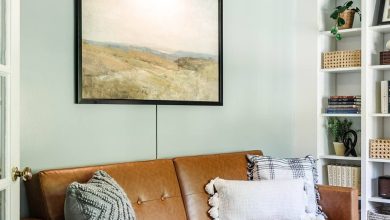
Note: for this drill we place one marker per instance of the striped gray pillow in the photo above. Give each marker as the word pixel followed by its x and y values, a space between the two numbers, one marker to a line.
pixel 268 168
pixel 101 198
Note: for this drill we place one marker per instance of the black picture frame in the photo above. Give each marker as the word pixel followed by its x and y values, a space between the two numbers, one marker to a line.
pixel 79 75
pixel 381 13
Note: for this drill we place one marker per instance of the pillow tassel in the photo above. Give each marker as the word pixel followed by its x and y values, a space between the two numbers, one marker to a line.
pixel 210 186
pixel 214 213
pixel 214 201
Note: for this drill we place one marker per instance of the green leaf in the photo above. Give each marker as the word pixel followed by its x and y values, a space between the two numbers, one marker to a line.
pixel 338 36
pixel 348 4
pixel 340 22
pixel 357 9
pixel 342 9
pixel 334 15
pixel 337 128
pixel 334 30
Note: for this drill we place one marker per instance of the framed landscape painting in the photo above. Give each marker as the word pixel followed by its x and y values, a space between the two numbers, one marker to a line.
pixel 149 52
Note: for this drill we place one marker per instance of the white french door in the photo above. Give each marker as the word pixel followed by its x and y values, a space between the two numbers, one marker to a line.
pixel 9 108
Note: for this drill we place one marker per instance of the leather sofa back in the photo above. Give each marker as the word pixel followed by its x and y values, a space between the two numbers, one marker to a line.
pixel 195 172
pixel 151 186
pixel 156 188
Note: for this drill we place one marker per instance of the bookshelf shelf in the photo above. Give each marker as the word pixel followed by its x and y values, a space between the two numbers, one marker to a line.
pixel 380 115
pixel 334 157
pixel 379 199
pixel 353 32
pixel 380 28
pixel 341 115
pixel 343 70
pixel 380 67
pixel 379 160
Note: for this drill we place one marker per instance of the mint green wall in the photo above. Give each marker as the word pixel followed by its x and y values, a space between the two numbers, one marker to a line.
pixel 258 92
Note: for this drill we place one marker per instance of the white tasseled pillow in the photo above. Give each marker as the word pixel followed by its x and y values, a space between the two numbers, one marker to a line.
pixel 266 200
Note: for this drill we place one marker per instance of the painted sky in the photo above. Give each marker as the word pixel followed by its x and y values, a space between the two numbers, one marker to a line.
pixel 165 25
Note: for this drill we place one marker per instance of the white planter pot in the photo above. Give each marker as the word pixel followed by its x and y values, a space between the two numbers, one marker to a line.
pixel 339 148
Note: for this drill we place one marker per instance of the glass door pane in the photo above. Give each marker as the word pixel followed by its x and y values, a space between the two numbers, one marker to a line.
pixel 2 126
pixel 2 205
pixel 3 30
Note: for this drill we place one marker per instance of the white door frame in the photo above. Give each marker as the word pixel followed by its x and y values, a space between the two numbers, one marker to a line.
pixel 15 106
pixel 11 71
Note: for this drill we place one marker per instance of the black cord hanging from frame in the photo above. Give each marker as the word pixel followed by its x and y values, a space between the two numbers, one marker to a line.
pixel 156 132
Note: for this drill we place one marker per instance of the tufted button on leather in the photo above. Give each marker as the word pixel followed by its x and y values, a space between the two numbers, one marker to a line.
pixel 139 202
pixel 162 198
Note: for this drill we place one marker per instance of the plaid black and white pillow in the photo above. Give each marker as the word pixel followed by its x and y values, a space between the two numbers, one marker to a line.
pixel 268 168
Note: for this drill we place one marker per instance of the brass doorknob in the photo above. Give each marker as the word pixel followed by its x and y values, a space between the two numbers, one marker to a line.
pixel 25 174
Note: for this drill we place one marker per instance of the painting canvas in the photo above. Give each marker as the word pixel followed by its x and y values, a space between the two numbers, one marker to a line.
pixel 149 51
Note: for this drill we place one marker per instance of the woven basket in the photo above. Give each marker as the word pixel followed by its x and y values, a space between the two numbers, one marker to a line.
pixel 342 59
pixel 378 215
pixel 348 16
pixel 380 149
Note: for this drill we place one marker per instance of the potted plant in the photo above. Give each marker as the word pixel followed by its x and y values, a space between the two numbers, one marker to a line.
pixel 343 16
pixel 337 128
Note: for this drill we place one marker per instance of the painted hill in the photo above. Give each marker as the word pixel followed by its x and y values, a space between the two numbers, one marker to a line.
pixel 126 72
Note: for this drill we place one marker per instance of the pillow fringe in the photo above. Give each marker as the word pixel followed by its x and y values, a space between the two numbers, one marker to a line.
pixel 315 175
pixel 250 166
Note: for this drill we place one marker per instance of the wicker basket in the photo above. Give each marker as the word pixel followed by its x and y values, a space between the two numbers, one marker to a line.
pixel 379 214
pixel 342 59
pixel 380 149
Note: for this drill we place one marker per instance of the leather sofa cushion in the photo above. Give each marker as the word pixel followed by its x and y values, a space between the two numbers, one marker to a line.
pixel 196 171
pixel 151 186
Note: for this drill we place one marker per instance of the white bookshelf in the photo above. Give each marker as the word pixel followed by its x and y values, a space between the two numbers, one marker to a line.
pixel 343 70
pixel 347 32
pixel 370 39
pixel 379 200
pixel 380 67
pixel 341 115
pixel 379 160
pixel 380 28
pixel 334 157
pixel 380 115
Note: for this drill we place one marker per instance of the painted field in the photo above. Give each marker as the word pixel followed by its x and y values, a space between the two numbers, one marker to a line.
pixel 126 72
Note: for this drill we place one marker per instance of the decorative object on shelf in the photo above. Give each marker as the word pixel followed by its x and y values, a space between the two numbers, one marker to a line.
pixel 384 187
pixel 385 104
pixel 380 149
pixel 344 105
pixel 384 12
pixel 339 148
pixel 149 52
pixel 350 139
pixel 344 175
pixel 341 59
pixel 344 17
pixel 379 213
pixel 384 58
pixel 337 128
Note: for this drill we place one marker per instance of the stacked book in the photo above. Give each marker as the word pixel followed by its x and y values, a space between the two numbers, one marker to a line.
pixel 344 175
pixel 344 105
pixel 385 87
